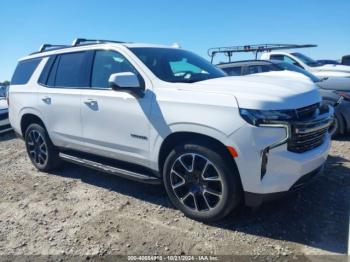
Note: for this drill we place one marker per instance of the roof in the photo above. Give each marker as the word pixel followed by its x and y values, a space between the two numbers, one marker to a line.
pixel 60 49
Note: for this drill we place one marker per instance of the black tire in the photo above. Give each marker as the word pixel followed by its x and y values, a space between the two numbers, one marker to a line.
pixel 208 207
pixel 338 125
pixel 37 142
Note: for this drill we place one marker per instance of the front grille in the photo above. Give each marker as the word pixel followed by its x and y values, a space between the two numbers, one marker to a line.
pixel 308 111
pixel 310 130
pixel 300 143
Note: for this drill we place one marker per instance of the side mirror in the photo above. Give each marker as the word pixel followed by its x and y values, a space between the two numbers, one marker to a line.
pixel 126 81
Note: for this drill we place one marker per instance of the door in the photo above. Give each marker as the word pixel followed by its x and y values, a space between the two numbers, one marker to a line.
pixel 59 97
pixel 115 123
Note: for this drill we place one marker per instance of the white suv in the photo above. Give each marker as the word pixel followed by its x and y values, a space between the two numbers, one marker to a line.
pixel 165 115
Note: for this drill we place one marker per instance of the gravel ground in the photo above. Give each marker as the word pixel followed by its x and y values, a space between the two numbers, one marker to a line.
pixel 77 211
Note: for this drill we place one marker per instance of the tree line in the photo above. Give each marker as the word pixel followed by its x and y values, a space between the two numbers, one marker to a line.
pixel 5 83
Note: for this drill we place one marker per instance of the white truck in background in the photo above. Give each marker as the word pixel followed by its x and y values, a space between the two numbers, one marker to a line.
pixel 308 64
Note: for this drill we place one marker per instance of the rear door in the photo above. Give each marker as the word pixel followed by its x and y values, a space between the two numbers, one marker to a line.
pixel 59 97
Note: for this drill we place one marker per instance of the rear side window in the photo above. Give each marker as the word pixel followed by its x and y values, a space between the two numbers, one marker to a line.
pixel 254 69
pixel 46 71
pixel 233 71
pixel 72 70
pixel 24 71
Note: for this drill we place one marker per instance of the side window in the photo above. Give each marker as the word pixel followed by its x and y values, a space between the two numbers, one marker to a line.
pixel 107 63
pixel 51 78
pixel 72 70
pixel 24 71
pixel 286 59
pixel 277 57
pixel 254 69
pixel 233 71
pixel 43 79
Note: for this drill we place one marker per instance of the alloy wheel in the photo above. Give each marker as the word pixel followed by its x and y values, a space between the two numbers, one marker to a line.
pixel 37 148
pixel 196 182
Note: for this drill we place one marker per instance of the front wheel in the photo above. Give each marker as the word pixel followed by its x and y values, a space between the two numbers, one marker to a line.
pixel 42 153
pixel 201 182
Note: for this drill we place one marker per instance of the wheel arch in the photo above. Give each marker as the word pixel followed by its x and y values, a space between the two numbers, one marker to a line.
pixel 186 136
pixel 30 118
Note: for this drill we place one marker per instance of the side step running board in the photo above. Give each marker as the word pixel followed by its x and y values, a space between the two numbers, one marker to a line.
pixel 110 169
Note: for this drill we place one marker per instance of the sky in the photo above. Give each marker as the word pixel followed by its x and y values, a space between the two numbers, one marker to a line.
pixel 194 24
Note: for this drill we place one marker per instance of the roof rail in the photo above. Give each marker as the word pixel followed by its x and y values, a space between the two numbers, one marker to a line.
pixel 252 48
pixel 44 47
pixel 79 41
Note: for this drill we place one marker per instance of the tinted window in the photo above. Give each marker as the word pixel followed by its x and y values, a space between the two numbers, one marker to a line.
pixel 52 74
pixel 255 69
pixel 233 71
pixel 72 70
pixel 107 63
pixel 177 65
pixel 307 60
pixel 286 59
pixel 346 60
pixel 277 57
pixel 24 71
pixel 46 71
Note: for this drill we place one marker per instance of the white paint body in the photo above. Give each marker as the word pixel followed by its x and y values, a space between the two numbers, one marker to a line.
pixel 320 71
pixel 208 107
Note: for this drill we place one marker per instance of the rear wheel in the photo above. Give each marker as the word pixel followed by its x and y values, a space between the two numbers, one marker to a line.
pixel 201 182
pixel 40 149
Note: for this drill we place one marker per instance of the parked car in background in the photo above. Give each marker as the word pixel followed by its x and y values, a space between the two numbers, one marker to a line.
pixel 307 63
pixel 346 60
pixel 3 91
pixel 335 91
pixel 161 114
pixel 328 62
pixel 4 116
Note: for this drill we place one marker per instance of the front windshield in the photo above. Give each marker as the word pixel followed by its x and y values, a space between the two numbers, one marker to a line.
pixel 177 65
pixel 307 60
pixel 290 67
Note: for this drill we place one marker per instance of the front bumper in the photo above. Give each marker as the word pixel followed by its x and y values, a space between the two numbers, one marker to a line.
pixel 255 200
pixel 285 163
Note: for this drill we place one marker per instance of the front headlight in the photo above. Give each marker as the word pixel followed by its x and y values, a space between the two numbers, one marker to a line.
pixel 259 117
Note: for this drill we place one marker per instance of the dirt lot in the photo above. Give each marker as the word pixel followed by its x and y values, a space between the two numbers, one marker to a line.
pixel 77 211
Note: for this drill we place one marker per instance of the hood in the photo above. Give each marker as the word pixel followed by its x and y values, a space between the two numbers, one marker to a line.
pixel 264 91
pixel 332 70
pixel 3 104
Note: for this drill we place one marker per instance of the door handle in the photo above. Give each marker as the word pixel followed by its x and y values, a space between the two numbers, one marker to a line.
pixel 90 102
pixel 46 99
